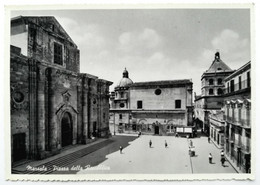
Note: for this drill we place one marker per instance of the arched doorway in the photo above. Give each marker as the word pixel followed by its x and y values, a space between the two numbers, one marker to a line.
pixel 156 130
pixel 66 130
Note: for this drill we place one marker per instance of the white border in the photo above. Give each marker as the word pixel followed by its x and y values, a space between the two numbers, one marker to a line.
pixel 6 96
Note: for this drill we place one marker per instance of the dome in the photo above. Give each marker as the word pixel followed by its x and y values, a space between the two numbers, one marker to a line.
pixel 125 81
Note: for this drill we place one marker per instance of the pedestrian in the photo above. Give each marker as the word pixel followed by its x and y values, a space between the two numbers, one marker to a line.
pixel 150 143
pixel 222 153
pixel 222 157
pixel 210 158
pixel 121 149
pixel 165 144
pixel 223 161
pixel 191 143
pixel 208 139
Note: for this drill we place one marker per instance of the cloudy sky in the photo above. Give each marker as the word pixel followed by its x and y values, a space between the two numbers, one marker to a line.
pixel 155 44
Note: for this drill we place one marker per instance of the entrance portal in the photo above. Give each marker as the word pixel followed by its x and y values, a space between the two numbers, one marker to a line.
pixel 156 130
pixel 19 151
pixel 66 130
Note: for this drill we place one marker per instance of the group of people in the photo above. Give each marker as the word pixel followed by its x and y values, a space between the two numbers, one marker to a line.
pixel 222 158
pixel 165 144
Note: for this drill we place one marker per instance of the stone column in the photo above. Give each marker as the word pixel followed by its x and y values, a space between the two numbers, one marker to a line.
pixel 32 108
pixel 41 112
pixel 53 125
pixel 85 108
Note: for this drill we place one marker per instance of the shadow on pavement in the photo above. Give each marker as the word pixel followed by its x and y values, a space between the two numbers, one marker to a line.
pixel 99 156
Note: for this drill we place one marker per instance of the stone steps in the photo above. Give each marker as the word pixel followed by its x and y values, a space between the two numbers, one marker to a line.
pixel 65 160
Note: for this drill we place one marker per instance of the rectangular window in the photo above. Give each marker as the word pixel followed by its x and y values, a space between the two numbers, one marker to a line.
pixel 232 86
pixel 228 90
pixel 248 79
pixel 239 115
pixel 177 104
pixel 120 116
pixel 139 104
pixel 58 54
pixel 239 83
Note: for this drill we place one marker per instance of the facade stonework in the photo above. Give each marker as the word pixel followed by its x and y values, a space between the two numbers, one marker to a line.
pixel 52 104
pixel 157 107
pixel 237 114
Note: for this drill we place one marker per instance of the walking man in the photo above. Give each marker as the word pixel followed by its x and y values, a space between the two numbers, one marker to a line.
pixel 208 139
pixel 210 158
pixel 165 144
pixel 150 143
pixel 222 158
pixel 121 149
pixel 191 143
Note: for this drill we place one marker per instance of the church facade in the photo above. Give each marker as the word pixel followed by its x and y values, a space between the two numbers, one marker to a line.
pixel 155 107
pixel 53 105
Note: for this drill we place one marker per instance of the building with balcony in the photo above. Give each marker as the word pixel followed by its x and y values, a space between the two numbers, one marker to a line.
pixel 53 105
pixel 237 107
pixel 212 90
pixel 217 125
pixel 155 107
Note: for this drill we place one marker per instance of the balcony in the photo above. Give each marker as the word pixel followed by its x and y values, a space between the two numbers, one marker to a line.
pixel 245 84
pixel 246 148
pixel 246 123
pixel 238 122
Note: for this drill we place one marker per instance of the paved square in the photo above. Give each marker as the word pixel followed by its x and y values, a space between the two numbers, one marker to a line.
pixel 139 158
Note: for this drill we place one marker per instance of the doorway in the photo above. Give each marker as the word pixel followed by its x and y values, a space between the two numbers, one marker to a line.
pixel 156 130
pixel 19 150
pixel 66 130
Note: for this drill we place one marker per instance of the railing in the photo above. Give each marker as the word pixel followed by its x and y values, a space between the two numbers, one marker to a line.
pixel 238 86
pixel 236 121
pixel 246 148
pixel 232 138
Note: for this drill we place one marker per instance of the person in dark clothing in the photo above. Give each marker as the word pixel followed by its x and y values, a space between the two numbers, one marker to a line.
pixel 150 143
pixel 223 161
pixel 165 144
pixel 210 158
pixel 121 149
pixel 222 157
pixel 208 139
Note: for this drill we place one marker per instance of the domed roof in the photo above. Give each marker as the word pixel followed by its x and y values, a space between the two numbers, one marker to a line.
pixel 125 81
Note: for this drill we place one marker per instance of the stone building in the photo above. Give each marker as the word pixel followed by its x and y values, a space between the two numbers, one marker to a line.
pixel 216 126
pixel 52 104
pixel 212 90
pixel 156 107
pixel 237 114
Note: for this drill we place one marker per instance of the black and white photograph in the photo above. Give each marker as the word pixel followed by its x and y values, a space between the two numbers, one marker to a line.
pixel 146 93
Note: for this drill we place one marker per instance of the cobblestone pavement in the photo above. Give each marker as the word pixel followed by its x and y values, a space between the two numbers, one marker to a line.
pixel 139 158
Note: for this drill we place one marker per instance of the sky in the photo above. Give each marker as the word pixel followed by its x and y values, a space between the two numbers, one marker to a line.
pixel 155 44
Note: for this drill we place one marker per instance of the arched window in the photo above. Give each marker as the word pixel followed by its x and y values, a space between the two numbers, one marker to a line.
pixel 211 81
pixel 219 81
pixel 211 91
pixel 220 91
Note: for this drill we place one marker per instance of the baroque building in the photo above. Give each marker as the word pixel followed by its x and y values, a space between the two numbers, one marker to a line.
pixel 237 114
pixel 53 105
pixel 212 90
pixel 155 107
